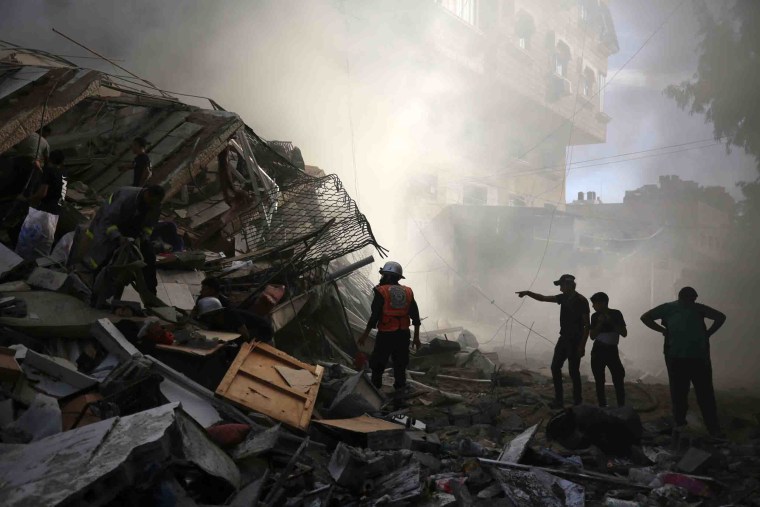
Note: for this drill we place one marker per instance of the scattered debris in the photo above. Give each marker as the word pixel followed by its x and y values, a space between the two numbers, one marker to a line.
pixel 141 401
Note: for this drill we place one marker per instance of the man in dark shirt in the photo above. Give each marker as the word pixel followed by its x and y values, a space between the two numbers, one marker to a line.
pixel 141 163
pixel 393 310
pixel 687 353
pixel 573 333
pixel 607 326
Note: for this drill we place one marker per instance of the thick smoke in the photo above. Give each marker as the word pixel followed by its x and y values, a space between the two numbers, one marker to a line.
pixel 356 91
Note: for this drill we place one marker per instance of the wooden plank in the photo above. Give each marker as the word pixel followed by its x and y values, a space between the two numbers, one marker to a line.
pixel 254 382
pixel 362 424
pixel 193 351
pixel 219 335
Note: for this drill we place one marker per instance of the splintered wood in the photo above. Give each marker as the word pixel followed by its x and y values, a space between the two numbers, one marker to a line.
pixel 273 383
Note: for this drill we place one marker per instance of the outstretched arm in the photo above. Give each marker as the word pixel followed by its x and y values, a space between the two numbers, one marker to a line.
pixel 537 297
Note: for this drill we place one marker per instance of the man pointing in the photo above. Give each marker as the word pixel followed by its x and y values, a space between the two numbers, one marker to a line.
pixel 573 333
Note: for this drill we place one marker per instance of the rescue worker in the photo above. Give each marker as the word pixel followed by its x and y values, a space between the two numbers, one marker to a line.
pixel 130 212
pixel 235 320
pixel 573 334
pixel 687 354
pixel 393 311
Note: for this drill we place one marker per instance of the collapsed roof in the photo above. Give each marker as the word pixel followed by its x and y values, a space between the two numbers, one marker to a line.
pixel 261 187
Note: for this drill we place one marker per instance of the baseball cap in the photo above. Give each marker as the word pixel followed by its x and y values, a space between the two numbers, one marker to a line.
pixel 564 278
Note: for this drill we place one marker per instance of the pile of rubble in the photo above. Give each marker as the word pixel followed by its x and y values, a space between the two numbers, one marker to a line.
pixel 137 402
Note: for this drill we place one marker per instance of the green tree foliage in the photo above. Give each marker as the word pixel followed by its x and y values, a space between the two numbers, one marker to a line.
pixel 725 86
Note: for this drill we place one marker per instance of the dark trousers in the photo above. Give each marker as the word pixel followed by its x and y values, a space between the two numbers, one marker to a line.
pixel 149 271
pixel 684 371
pixel 394 345
pixel 605 356
pixel 567 350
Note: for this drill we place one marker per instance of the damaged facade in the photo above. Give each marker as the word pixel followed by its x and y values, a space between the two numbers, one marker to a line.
pixel 137 404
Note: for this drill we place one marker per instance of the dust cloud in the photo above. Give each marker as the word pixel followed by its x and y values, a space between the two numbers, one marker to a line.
pixel 353 85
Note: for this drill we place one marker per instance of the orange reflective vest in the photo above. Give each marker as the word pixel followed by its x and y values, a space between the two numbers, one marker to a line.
pixel 397 299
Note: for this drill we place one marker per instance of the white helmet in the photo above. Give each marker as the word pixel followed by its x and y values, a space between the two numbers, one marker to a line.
pixel 393 268
pixel 208 305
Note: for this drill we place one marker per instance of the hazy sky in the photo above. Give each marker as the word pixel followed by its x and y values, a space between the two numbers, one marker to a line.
pixel 643 118
pixel 282 66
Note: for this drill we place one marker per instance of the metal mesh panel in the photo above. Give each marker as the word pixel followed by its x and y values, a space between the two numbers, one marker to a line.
pixel 316 221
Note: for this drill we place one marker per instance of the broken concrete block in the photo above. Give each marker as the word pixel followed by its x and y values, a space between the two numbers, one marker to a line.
pixel 113 341
pixel 93 464
pixel 257 444
pixel 355 468
pixel 515 449
pixel 421 441
pixel 54 378
pixel 399 486
pixel 357 396
pixel 429 461
pixel 524 488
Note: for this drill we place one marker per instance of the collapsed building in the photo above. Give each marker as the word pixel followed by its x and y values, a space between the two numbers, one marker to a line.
pixel 94 413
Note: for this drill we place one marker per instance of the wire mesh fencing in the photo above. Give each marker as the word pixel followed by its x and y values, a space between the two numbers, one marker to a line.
pixel 316 221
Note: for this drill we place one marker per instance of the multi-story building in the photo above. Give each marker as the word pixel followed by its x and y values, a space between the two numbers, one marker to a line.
pixel 534 74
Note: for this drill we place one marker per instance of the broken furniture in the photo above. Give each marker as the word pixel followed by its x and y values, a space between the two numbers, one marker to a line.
pixel 271 382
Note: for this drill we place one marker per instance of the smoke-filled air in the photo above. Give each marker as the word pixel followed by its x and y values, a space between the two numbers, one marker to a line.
pixel 493 145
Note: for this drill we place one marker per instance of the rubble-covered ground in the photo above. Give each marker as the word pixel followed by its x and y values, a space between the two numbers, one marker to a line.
pixel 138 403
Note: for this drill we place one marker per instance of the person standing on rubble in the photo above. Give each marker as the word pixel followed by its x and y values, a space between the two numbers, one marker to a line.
pixel 573 334
pixel 45 203
pixel 607 326
pixel 130 212
pixel 687 353
pixel 393 311
pixel 141 163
